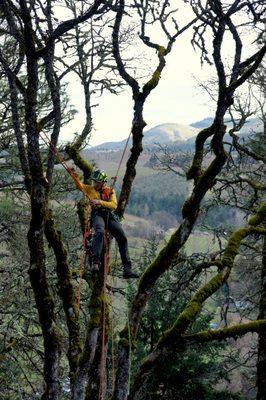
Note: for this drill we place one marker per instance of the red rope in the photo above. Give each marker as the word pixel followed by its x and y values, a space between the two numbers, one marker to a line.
pixel 70 170
pixel 120 162
pixel 54 150
pixel 106 266
pixel 62 161
pixel 106 260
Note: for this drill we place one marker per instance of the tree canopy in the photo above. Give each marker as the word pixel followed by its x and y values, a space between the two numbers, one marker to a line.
pixel 53 340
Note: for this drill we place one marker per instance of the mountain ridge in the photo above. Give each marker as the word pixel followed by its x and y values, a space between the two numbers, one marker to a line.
pixel 175 133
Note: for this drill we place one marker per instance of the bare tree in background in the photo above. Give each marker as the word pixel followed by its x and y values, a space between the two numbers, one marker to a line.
pixel 30 27
pixel 33 31
pixel 217 17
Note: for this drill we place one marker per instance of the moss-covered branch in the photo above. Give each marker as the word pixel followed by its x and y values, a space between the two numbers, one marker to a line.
pixel 116 50
pixel 91 341
pixel 194 306
pixel 173 338
pixel 153 82
pixel 235 332
pixel 98 304
pixel 261 362
pixel 139 97
pixel 86 167
pixel 259 217
pixel 83 213
pixel 157 357
pixel 196 168
pixel 170 252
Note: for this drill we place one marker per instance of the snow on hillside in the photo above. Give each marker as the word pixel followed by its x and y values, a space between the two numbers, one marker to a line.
pixel 167 133
pixel 163 134
pixel 171 133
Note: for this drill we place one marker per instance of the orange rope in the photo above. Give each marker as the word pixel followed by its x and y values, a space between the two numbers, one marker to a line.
pixel 60 158
pixel 106 264
pixel 70 170
pixel 120 162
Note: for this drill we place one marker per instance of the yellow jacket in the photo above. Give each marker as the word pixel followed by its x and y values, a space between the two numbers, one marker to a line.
pixel 93 194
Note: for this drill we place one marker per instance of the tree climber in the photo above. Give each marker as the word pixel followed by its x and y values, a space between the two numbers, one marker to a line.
pixel 103 202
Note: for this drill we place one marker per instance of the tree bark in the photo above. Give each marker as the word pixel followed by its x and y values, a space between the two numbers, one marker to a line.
pixel 172 339
pixel 66 292
pixel 37 271
pixel 261 363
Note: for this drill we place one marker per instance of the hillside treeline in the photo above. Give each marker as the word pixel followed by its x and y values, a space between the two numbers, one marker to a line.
pixel 194 322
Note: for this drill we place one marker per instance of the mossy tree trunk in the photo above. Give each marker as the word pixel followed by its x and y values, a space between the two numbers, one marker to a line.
pixel 204 180
pixel 261 363
pixel 174 339
pixel 22 26
pixel 85 359
pixel 140 95
pixel 37 270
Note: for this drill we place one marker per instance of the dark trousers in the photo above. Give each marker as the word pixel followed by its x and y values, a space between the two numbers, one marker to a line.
pixel 98 223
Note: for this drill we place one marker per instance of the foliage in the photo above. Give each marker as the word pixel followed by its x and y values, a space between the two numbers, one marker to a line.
pixel 155 193
pixel 194 373
pixel 49 336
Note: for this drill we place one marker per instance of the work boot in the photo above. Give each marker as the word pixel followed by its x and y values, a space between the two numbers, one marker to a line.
pixel 128 273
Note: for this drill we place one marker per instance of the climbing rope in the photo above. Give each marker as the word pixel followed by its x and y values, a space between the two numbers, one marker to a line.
pixel 60 158
pixel 71 172
pixel 114 178
pixel 106 267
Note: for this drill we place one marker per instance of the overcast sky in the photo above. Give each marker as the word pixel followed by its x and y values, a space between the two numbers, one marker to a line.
pixel 177 98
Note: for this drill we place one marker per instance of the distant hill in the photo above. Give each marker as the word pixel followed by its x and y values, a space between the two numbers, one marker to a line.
pixel 204 123
pixel 157 196
pixel 160 134
pixel 169 133
pixel 250 127
pixel 178 134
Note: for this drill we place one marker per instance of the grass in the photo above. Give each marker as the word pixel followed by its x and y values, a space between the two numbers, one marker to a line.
pixel 201 242
pixel 198 242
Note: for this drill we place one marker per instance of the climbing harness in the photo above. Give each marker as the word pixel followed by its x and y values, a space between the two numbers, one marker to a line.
pixel 86 234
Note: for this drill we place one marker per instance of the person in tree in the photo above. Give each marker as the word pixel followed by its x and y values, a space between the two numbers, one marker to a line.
pixel 103 202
